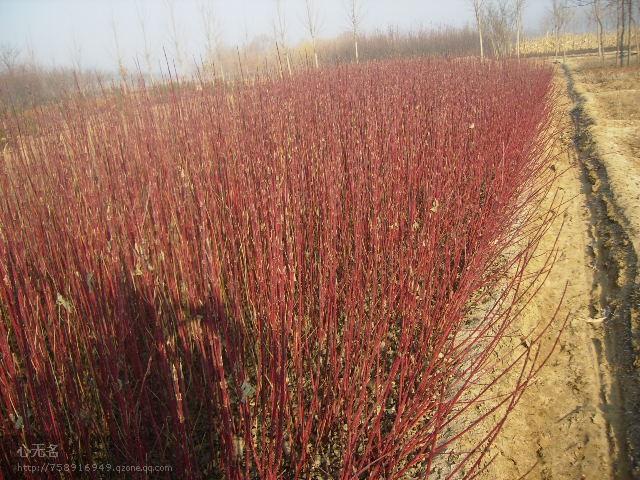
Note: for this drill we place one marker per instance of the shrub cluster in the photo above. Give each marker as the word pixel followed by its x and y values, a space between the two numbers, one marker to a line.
pixel 275 280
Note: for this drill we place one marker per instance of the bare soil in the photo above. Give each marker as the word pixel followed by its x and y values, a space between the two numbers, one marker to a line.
pixel 612 101
pixel 581 419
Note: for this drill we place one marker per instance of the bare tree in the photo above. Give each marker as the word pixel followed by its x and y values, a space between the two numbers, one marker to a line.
pixel 629 21
pixel 312 23
pixel 118 52
pixel 621 8
pixel 624 21
pixel 518 8
pixel 500 25
pixel 635 23
pixel 211 29
pixel 280 31
pixel 560 15
pixel 598 13
pixel 478 11
pixel 142 21
pixel 30 52
pixel 174 33
pixel 624 31
pixel 9 56
pixel 354 16
pixel 76 53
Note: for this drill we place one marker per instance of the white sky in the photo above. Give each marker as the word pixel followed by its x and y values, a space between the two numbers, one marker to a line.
pixel 59 31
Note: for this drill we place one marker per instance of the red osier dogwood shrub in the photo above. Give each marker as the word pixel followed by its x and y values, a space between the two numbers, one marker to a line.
pixel 271 281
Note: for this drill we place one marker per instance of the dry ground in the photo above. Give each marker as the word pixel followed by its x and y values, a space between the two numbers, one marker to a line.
pixel 612 97
pixel 566 425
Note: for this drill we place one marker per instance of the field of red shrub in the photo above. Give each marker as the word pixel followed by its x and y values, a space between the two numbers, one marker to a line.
pixel 272 280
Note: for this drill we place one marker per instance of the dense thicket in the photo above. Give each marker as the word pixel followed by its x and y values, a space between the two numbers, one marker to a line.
pixel 276 280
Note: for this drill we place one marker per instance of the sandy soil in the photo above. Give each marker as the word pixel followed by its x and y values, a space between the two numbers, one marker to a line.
pixel 612 97
pixel 558 430
pixel 577 420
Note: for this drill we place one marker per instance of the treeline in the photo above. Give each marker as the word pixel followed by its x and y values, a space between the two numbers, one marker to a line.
pixel 266 56
pixel 618 18
pixel 444 41
pixel 498 32
pixel 27 83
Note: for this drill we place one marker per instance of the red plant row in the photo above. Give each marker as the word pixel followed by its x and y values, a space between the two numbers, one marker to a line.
pixel 277 280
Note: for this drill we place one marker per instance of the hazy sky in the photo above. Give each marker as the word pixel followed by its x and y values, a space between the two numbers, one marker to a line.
pixel 61 32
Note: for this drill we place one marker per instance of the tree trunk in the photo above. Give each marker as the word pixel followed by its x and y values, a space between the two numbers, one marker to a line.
pixel 629 2
pixel 600 39
pixel 280 69
pixel 622 23
pixel 315 52
pixel 518 26
pixel 355 41
pixel 618 31
pixel 481 43
pixel 637 43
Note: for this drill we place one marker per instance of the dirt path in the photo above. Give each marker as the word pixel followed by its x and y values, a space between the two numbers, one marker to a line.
pixel 615 291
pixel 581 419
pixel 558 430
pixel 612 102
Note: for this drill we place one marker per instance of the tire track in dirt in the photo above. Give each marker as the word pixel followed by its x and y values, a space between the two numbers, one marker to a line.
pixel 615 296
